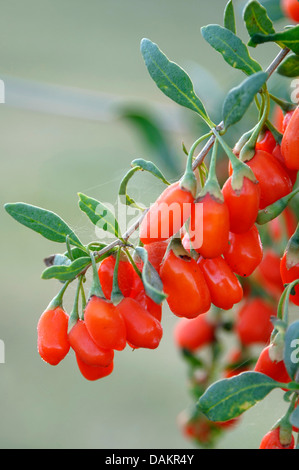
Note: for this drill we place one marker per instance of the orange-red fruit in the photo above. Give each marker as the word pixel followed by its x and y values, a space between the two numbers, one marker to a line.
pixel 290 141
pixel 225 289
pixel 240 220
pixel 125 276
pixel 105 324
pixel 274 181
pixel 167 215
pixel 276 370
pixel 84 346
pixel 272 441
pixel 277 153
pixel 213 223
pixel 52 339
pixel 266 142
pixel 290 275
pixel 291 9
pixel 194 333
pixel 156 252
pixel 253 324
pixel 268 272
pixel 143 330
pixel 185 286
pixel 92 373
pixel 148 304
pixel 245 252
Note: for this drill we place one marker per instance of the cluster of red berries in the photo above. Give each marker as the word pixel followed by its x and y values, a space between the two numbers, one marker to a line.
pixel 105 327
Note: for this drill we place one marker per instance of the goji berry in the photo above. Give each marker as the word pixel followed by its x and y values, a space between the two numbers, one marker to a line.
pixel 105 324
pixel 290 142
pixel 91 372
pixel 253 323
pixel 52 338
pixel 84 346
pixel 272 441
pixel 290 275
pixel 192 334
pixel 266 142
pixel 245 252
pixel 125 276
pixel 142 329
pixel 225 288
pixel 291 9
pixel 274 369
pixel 184 283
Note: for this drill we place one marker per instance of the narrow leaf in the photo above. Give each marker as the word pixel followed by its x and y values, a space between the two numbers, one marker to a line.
pixel 226 399
pixel 291 351
pixel 239 98
pixel 289 67
pixel 99 214
pixel 66 273
pixel 257 19
pixel 288 38
pixel 170 78
pixel 138 165
pixel 232 49
pixel 229 17
pixel 46 223
pixel 151 280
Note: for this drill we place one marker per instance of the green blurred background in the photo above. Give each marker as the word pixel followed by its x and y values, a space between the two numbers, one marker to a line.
pixel 74 74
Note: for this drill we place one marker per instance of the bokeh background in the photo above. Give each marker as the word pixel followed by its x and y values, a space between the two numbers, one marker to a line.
pixel 77 101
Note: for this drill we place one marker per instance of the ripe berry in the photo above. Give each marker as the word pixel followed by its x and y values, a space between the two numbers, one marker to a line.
pixel 253 324
pixel 194 333
pixel 105 324
pixel 276 370
pixel 125 276
pixel 272 441
pixel 225 289
pixel 142 329
pixel 240 220
pixel 185 286
pixel 84 346
pixel 52 339
pixel 290 141
pixel 167 215
pixel 290 9
pixel 156 252
pixel 245 252
pixel 213 221
pixel 92 373
pixel 266 142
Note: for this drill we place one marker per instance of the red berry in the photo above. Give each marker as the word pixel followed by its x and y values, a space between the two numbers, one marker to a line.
pixel 225 289
pixel 253 324
pixel 167 215
pixel 272 441
pixel 185 286
pixel 84 346
pixel 213 223
pixel 245 252
pixel 125 276
pixel 276 370
pixel 290 141
pixel 105 324
pixel 156 252
pixel 52 339
pixel 266 142
pixel 291 9
pixel 92 373
pixel 194 333
pixel 240 220
pixel 143 330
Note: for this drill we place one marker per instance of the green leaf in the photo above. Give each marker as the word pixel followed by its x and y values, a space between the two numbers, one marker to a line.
pixel 229 398
pixel 288 38
pixel 66 273
pixel 291 351
pixel 289 67
pixel 232 49
pixel 99 214
pixel 239 98
pixel 294 418
pixel 257 19
pixel 46 223
pixel 57 260
pixel 151 280
pixel 229 17
pixel 171 79
pixel 138 165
